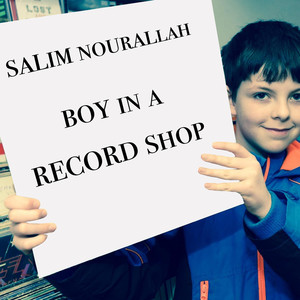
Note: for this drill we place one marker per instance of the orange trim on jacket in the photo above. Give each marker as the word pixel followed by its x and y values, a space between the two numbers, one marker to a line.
pixel 292 160
pixel 139 256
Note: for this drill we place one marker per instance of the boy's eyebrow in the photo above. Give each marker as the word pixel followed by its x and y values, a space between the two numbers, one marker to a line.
pixel 265 88
pixel 272 91
pixel 296 91
pixel 261 88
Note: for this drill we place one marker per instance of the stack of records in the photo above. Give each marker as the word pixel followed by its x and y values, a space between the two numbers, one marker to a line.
pixel 6 183
pixel 37 288
pixel 5 14
pixel 15 267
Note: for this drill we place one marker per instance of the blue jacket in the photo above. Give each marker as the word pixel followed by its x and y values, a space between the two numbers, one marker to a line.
pixel 225 263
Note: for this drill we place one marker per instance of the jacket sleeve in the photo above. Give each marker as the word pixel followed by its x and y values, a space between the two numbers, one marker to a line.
pixel 279 243
pixel 115 277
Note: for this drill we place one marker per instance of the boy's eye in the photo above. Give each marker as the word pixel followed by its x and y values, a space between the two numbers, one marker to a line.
pixel 261 96
pixel 296 97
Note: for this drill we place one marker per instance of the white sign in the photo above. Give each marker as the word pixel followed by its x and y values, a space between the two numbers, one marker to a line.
pixel 105 120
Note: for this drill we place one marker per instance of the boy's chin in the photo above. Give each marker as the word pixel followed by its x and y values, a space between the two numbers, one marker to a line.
pixel 275 149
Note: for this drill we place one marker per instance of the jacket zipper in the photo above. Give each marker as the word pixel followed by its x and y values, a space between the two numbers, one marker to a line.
pixel 260 260
pixel 204 290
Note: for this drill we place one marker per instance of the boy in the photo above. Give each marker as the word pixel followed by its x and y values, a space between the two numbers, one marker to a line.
pixel 262 70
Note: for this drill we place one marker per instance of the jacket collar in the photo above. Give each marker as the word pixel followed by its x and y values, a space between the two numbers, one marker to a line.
pixel 292 160
pixel 286 161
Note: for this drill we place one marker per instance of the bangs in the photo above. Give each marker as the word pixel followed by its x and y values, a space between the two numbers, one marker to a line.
pixel 276 64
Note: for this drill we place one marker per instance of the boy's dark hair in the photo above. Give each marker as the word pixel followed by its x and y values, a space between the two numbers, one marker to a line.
pixel 273 45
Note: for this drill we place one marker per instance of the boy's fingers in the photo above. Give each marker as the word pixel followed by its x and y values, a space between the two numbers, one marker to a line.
pixel 227 174
pixel 20 202
pixel 237 149
pixel 229 162
pixel 26 244
pixel 227 187
pixel 25 229
pixel 20 215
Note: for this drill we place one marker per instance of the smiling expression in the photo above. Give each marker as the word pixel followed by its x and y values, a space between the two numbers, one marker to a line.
pixel 267 114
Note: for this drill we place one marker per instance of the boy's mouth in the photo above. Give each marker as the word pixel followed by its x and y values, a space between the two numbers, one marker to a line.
pixel 278 131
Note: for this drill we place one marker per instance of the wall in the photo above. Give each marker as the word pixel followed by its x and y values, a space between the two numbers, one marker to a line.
pixel 232 15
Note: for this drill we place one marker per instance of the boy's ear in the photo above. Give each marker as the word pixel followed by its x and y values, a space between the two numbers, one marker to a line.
pixel 231 102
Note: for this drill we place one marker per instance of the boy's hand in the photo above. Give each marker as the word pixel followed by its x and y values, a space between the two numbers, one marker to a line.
pixel 26 235
pixel 246 170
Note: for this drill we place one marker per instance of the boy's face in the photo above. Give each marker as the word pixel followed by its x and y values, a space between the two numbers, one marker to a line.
pixel 267 115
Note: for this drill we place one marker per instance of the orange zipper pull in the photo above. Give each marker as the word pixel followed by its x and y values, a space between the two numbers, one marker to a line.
pixel 204 290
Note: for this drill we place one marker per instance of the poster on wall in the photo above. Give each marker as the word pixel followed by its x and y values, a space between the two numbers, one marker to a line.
pixel 107 113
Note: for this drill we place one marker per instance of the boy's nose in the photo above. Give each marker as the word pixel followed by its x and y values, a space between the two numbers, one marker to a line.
pixel 281 110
